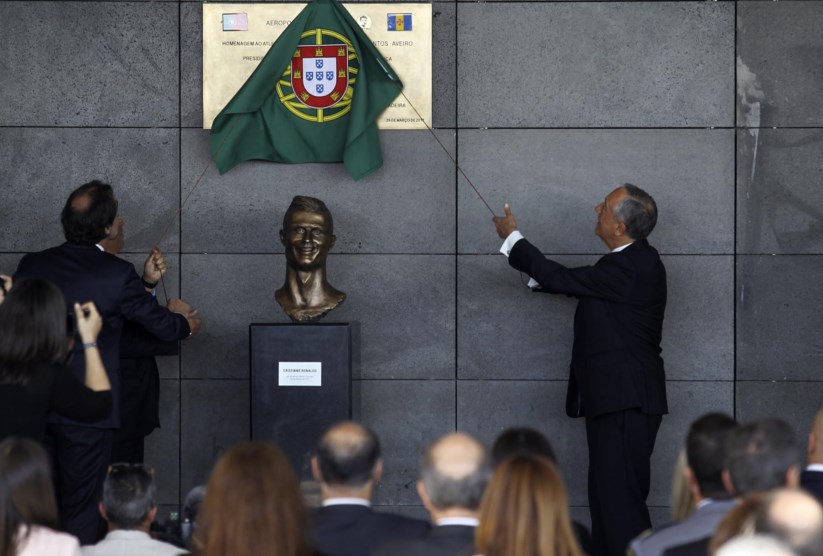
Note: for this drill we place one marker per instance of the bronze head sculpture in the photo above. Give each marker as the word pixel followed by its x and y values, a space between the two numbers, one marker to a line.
pixel 307 235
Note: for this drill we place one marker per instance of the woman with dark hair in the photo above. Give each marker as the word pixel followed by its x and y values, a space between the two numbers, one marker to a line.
pixel 524 511
pixel 253 506
pixel 28 511
pixel 34 342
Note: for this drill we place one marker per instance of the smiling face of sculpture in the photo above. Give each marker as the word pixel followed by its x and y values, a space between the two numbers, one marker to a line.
pixel 307 238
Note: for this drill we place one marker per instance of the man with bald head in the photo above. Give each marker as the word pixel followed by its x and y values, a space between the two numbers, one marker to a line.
pixel 794 517
pixel 617 381
pixel 347 466
pixel 454 472
pixel 812 477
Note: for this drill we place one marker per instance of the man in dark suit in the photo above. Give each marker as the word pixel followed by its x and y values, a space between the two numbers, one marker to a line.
pixel 617 379
pixel 139 374
pixel 348 466
pixel 453 475
pixel 83 271
pixel 812 477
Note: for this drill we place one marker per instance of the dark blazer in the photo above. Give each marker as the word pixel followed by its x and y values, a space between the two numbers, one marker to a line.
pixel 812 481
pixel 85 273
pixel 618 325
pixel 140 388
pixel 443 540
pixel 353 530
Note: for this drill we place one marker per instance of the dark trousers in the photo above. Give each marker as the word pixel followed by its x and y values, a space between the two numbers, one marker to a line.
pixel 620 447
pixel 127 450
pixel 81 457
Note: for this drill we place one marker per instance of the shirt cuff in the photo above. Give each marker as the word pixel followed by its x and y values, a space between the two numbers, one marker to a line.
pixel 513 238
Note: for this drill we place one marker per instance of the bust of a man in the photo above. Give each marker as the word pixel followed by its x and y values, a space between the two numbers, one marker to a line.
pixel 307 235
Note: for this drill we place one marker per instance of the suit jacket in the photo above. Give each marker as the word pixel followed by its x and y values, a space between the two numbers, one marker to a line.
pixel 443 540
pixel 85 273
pixel 702 523
pixel 699 547
pixel 140 387
pixel 812 481
pixel 353 530
pixel 618 325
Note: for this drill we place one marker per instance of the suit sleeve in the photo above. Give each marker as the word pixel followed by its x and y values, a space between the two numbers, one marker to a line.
pixel 141 307
pixel 610 279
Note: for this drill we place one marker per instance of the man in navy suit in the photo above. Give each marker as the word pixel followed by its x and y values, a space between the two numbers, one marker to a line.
pixel 83 271
pixel 348 466
pixel 617 379
pixel 454 472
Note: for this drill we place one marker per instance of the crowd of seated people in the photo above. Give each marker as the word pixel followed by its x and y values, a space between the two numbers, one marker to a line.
pixel 737 489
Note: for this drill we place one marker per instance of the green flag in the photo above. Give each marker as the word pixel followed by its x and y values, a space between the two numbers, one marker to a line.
pixel 315 97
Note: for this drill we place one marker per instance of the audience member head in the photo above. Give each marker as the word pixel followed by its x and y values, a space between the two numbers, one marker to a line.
pixel 755 545
pixel 26 495
pixel 760 456
pixel 32 329
pixel 89 213
pixel 815 444
pixel 683 499
pixel 347 462
pixel 794 517
pixel 524 511
pixel 739 521
pixel 253 506
pixel 521 441
pixel 637 211
pixel 706 444
pixel 129 497
pixel 454 472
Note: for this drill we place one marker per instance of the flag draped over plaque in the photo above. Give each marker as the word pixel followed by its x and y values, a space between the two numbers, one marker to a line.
pixel 315 97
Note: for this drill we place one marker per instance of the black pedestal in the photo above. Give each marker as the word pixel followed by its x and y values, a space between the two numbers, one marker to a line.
pixel 300 384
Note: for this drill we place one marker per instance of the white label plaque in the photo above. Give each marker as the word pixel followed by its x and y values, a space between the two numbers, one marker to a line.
pixel 299 374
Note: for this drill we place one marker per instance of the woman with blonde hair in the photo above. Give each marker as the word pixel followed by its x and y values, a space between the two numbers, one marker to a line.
pixel 524 511
pixel 253 506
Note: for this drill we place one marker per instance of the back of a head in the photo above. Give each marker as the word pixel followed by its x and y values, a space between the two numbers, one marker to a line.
pixel 88 211
pixel 26 492
pixel 637 211
pixel 760 454
pixel 32 329
pixel 706 452
pixel 525 511
pixel 253 506
pixel 129 495
pixel 755 545
pixel 455 470
pixel 521 441
pixel 347 455
pixel 794 517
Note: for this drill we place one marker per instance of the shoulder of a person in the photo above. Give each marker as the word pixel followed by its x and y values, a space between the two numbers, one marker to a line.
pixel 42 540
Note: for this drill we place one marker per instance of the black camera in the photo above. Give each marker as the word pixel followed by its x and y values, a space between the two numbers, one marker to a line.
pixel 71 324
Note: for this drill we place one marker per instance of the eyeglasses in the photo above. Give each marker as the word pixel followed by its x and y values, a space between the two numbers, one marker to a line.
pixel 120 468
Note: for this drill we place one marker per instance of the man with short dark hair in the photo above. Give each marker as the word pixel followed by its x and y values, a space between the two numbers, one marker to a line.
pixel 617 381
pixel 454 472
pixel 83 271
pixel 129 508
pixel 348 465
pixel 760 456
pixel 812 476
pixel 706 458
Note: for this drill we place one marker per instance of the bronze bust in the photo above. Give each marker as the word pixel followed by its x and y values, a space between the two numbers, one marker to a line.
pixel 307 235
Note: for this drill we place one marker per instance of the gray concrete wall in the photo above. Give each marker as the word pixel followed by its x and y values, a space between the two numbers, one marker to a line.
pixel 546 105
